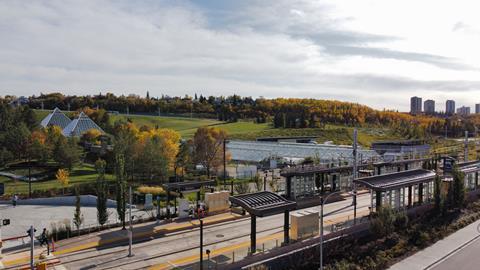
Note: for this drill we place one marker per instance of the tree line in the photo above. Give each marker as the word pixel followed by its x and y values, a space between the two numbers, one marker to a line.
pixel 281 112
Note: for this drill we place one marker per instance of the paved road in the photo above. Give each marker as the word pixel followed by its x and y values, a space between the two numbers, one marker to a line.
pixel 459 251
pixel 465 259
pixel 173 246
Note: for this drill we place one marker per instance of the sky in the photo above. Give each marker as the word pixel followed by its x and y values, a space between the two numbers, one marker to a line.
pixel 378 52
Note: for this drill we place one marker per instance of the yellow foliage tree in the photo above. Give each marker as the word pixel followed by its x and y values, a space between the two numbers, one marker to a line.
pixel 169 138
pixel 63 177
pixel 208 147
pixel 91 135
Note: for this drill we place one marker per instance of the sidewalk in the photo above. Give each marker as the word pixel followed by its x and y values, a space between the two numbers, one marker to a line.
pixel 439 251
pixel 115 236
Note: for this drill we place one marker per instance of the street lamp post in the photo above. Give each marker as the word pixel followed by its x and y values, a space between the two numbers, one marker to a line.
pixel 201 244
pixel 322 202
pixel 130 232
pixel 354 175
pixel 224 164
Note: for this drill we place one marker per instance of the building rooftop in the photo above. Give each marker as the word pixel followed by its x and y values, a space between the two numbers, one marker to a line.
pixel 263 203
pixel 255 151
pixel 396 180
pixel 80 125
pixel 56 118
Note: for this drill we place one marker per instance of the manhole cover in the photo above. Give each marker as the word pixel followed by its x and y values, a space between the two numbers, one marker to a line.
pixel 220 235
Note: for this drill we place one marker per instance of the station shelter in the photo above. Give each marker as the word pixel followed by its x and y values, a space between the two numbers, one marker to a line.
pixel 399 189
pixel 308 181
pixel 471 170
pixel 182 188
pixel 262 204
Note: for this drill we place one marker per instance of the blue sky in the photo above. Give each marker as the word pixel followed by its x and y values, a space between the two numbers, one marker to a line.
pixel 376 52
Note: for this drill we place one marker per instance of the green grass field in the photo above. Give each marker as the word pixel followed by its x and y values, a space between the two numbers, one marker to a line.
pixel 248 130
pixel 79 175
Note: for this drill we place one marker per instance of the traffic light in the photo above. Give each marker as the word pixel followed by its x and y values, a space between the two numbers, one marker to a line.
pixel 6 222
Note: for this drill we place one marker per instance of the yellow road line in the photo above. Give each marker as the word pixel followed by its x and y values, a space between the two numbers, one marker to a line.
pixel 219 251
pixel 98 243
pixel 222 250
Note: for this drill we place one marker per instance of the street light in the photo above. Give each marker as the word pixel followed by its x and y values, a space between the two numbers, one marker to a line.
pixel 201 244
pixel 224 163
pixel 130 232
pixel 322 202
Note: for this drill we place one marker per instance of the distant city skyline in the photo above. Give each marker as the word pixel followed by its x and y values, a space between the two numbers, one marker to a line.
pixel 331 49
pixel 450 107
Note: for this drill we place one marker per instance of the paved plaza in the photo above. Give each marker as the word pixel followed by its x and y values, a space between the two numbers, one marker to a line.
pixel 43 216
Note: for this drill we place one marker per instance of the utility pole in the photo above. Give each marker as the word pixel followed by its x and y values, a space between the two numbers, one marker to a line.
pixel 224 164
pixel 466 146
pixel 354 175
pixel 32 245
pixel 130 232
pixel 201 244
pixel 29 174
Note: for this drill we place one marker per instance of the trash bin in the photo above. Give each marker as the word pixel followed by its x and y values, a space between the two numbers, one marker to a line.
pixel 42 266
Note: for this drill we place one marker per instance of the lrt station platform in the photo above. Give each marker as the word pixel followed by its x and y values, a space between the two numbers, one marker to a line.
pixel 399 190
pixel 304 182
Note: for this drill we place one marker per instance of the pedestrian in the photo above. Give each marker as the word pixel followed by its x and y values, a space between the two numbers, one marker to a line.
pixel 44 238
pixel 14 200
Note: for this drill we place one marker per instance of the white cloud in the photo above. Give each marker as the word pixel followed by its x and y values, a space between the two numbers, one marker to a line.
pixel 373 52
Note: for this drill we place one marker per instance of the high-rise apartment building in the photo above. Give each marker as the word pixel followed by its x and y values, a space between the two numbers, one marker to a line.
pixel 429 106
pixel 415 105
pixel 477 108
pixel 463 110
pixel 450 107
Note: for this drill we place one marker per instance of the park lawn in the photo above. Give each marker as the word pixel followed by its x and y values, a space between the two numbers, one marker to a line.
pixel 79 175
pixel 248 130
pixel 175 123
pixel 235 130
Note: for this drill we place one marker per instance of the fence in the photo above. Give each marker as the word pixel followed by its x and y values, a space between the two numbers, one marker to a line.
pixel 267 245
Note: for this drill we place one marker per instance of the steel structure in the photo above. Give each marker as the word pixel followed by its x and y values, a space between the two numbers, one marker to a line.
pixel 263 204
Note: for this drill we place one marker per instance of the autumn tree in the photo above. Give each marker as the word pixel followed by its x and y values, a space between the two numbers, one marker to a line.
pixel 208 147
pixel 183 158
pixel 91 135
pixel 62 176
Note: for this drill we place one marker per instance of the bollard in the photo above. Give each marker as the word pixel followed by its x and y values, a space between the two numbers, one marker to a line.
pixel 233 256
pixel 263 247
pixel 276 243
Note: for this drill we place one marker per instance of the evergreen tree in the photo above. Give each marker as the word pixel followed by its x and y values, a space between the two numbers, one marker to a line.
pixel 458 187
pixel 121 187
pixel 102 213
pixel 77 215
pixel 437 193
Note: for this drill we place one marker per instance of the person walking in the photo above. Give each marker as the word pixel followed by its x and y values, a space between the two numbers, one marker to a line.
pixel 14 200
pixel 44 238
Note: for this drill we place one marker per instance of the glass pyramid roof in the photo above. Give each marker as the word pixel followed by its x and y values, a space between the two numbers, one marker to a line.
pixel 56 118
pixel 80 125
